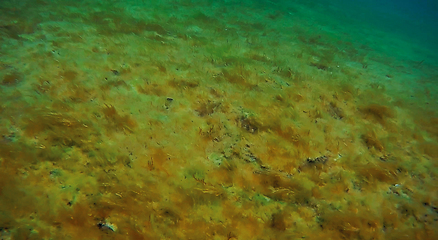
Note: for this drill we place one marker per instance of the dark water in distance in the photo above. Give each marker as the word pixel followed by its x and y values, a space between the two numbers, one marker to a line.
pixel 414 21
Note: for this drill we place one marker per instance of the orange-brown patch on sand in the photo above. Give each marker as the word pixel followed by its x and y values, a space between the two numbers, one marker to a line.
pixel 80 222
pixel 430 149
pixel 378 113
pixel 351 225
pixel 116 122
pixel 382 172
pixel 158 159
pixel 152 89
pixel 372 142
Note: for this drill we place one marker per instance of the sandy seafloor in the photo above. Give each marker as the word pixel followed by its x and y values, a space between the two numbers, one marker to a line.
pixel 212 120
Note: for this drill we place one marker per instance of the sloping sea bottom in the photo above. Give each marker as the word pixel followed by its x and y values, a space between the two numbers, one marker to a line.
pixel 212 120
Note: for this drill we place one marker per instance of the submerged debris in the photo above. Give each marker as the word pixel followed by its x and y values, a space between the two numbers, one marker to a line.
pixel 106 226
pixel 321 159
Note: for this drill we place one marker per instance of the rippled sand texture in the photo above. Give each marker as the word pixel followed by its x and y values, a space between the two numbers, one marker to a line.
pixel 212 120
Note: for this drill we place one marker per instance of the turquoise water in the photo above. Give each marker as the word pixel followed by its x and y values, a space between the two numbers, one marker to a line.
pixel 413 21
